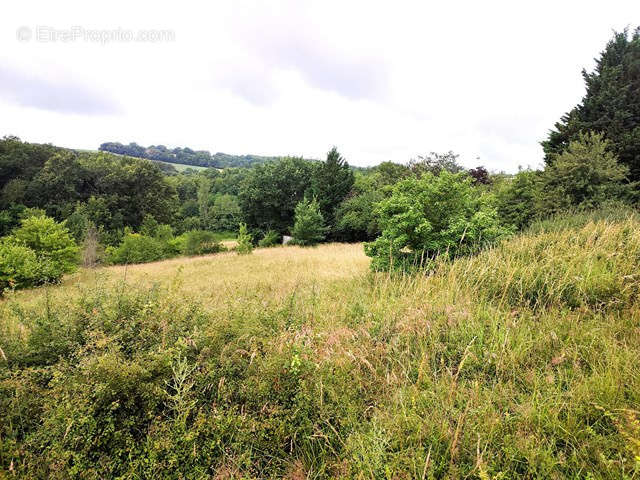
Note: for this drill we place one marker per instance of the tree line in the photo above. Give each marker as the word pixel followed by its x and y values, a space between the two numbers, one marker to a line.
pixel 185 156
pixel 407 213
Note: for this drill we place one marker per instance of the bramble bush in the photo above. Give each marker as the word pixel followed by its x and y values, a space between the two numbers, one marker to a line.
pixel 433 215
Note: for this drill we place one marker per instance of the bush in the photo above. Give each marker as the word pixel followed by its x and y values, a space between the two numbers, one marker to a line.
pixel 433 215
pixel 245 245
pixel 309 227
pixel 200 242
pixel 55 249
pixel 585 175
pixel 19 266
pixel 270 239
pixel 136 248
pixel 516 199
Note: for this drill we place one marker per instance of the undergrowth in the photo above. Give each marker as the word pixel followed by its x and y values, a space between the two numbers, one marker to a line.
pixel 520 362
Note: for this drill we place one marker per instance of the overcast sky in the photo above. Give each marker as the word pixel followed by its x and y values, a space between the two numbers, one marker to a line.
pixel 380 80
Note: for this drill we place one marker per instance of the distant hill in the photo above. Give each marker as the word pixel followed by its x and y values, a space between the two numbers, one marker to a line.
pixel 184 156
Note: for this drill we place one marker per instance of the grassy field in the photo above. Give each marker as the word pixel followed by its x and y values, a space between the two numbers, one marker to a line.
pixel 520 362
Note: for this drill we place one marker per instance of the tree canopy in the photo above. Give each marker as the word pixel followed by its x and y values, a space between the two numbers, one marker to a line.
pixel 611 105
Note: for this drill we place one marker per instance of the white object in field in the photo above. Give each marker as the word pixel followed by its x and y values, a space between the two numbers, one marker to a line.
pixel 286 239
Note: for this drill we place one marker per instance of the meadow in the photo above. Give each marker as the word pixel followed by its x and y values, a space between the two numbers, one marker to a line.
pixel 522 361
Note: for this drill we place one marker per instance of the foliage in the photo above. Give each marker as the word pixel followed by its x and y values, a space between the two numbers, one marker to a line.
pixel 331 183
pixel 136 248
pixel 270 193
pixel 313 368
pixel 185 156
pixel 225 212
pixel 480 175
pixel 586 174
pixel 200 242
pixel 516 199
pixel 309 226
pixel 355 218
pixel 112 192
pixel 611 104
pixel 245 240
pixel 433 215
pixel 19 266
pixel 54 247
pixel 435 163
pixel 270 239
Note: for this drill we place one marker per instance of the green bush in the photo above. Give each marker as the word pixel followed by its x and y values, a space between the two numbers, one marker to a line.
pixel 585 175
pixel 270 239
pixel 433 215
pixel 245 240
pixel 54 247
pixel 309 228
pixel 516 199
pixel 200 242
pixel 137 248
pixel 19 266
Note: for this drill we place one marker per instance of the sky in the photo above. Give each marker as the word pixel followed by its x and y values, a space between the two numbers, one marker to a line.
pixel 379 80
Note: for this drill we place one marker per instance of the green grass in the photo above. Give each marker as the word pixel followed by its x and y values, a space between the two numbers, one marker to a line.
pixel 520 362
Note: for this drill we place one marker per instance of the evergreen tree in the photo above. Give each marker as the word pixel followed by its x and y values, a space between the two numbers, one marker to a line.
pixel 309 227
pixel 331 183
pixel 611 105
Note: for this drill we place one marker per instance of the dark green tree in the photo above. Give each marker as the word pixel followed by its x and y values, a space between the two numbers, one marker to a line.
pixel 270 193
pixel 331 183
pixel 611 105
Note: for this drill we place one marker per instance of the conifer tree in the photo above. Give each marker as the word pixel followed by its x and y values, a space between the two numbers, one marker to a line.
pixel 309 227
pixel 331 183
pixel 611 105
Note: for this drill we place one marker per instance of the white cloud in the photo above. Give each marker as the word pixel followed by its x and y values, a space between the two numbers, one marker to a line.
pixel 382 81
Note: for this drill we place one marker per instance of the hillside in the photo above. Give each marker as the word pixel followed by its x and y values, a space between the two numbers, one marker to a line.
pixel 184 156
pixel 519 362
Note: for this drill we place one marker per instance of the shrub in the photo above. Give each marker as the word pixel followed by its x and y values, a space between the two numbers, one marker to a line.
pixel 245 245
pixel 55 249
pixel 586 174
pixel 19 266
pixel 270 239
pixel 309 227
pixel 136 248
pixel 433 215
pixel 200 242
pixel 516 199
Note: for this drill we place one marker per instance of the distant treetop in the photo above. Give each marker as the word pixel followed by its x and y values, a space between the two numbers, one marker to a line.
pixel 185 156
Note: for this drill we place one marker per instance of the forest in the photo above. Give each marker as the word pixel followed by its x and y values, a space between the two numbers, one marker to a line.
pixel 184 156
